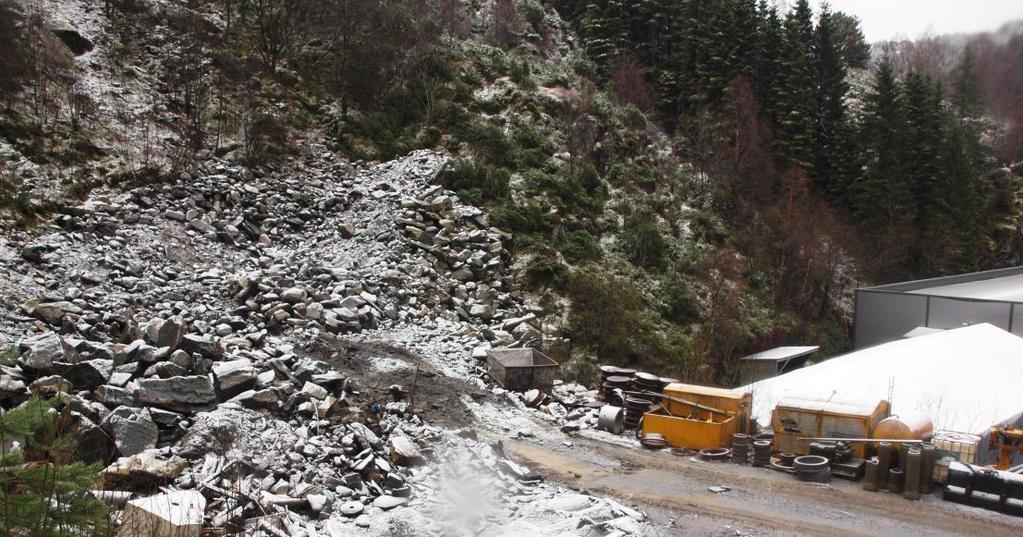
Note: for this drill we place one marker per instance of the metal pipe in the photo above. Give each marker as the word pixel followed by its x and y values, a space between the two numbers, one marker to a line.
pixel 823 439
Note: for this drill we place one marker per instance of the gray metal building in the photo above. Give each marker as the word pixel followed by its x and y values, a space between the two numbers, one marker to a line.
pixel 889 312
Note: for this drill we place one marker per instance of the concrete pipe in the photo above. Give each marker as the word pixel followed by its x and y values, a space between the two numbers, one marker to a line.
pixel 884 461
pixel 870 482
pixel 899 453
pixel 895 481
pixel 928 460
pixel 912 486
pixel 611 419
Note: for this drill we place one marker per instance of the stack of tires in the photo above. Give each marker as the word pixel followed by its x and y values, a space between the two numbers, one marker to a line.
pixel 761 453
pixel 813 469
pixel 740 448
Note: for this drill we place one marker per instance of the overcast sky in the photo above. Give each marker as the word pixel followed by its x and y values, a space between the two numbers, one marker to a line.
pixel 887 19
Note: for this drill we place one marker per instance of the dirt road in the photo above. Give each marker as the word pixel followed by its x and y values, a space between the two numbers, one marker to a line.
pixel 674 491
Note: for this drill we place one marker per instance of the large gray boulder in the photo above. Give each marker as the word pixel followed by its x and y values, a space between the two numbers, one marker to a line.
pixel 183 394
pixel 39 352
pixel 89 374
pixel 234 376
pixel 202 345
pixel 132 429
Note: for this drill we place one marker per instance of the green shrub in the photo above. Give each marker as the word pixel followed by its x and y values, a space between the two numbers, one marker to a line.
pixel 579 246
pixel 475 180
pixel 641 241
pixel 532 11
pixel 535 149
pixel 490 143
pixel 605 315
pixel 680 303
pixel 521 74
pixel 547 272
pixel 521 218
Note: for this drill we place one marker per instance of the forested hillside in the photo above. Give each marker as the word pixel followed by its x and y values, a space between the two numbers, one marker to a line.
pixel 685 181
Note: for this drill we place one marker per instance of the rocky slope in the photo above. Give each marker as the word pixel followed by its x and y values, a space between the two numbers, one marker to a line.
pixel 281 344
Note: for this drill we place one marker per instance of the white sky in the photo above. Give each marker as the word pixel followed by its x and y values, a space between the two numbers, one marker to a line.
pixel 888 19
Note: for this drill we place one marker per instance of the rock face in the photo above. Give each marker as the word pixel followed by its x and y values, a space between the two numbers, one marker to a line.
pixel 74 40
pixel 193 393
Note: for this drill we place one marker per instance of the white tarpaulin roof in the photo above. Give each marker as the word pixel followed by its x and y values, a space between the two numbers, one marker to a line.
pixel 966 379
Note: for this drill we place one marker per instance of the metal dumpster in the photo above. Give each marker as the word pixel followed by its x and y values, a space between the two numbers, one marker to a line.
pixel 522 369
pixel 684 425
pixel 796 418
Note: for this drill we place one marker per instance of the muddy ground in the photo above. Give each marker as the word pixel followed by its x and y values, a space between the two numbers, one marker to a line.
pixel 673 489
pixel 374 367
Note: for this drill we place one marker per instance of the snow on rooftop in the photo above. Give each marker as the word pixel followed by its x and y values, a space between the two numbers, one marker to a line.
pixel 922 331
pixel 966 379
pixel 782 353
pixel 1007 288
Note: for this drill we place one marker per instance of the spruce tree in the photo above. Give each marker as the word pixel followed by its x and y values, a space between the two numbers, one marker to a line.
pixel 42 493
pixel 882 198
pixel 849 36
pixel 767 80
pixel 606 32
pixel 924 172
pixel 830 144
pixel 967 91
pixel 795 107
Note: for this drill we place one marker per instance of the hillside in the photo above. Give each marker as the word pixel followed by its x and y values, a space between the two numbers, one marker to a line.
pixel 320 215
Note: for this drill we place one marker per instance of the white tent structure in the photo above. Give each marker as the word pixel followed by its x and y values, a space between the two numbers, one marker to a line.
pixel 965 380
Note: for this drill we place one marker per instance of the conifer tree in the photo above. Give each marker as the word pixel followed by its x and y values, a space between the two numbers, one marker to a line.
pixel 767 81
pixel 42 495
pixel 849 36
pixel 795 106
pixel 605 27
pixel 967 91
pixel 882 199
pixel 924 171
pixel 830 144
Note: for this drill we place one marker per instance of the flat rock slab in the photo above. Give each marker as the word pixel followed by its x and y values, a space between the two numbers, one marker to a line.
pixel 177 514
pixel 386 502
pixel 194 393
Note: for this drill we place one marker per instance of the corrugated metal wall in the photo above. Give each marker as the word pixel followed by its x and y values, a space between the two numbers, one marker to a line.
pixel 883 316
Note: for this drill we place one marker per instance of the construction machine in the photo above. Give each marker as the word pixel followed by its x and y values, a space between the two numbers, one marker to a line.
pixel 1008 441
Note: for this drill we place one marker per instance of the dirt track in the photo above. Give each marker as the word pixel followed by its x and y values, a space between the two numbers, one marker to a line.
pixel 761 502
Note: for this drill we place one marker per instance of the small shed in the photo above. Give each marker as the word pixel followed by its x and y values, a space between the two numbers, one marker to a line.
pixel 521 370
pixel 773 362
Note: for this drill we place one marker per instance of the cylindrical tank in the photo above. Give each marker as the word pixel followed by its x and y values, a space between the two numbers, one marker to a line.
pixel 904 427
pixel 912 482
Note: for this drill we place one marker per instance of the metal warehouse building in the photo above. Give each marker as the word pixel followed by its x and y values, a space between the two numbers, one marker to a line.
pixel 890 312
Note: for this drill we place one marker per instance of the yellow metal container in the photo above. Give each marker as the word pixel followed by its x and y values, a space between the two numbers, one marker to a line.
pixel 685 425
pixel 794 419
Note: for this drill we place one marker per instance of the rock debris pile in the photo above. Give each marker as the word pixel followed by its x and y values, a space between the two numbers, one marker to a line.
pixel 174 322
